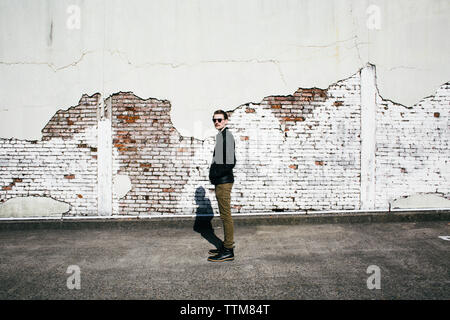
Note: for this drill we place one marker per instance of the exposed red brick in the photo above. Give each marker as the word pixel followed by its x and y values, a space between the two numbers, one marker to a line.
pixel 294 119
pixel 61 126
pixel 143 133
pixel 145 165
pixel 126 117
pixel 294 108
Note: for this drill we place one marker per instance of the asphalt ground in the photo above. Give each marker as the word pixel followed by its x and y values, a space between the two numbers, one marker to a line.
pixel 399 260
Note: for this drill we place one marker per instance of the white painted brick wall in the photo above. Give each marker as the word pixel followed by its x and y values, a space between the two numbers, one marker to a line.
pixel 413 148
pixel 296 152
pixel 45 175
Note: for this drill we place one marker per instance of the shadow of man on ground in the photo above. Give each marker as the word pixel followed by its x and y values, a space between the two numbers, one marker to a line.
pixel 204 215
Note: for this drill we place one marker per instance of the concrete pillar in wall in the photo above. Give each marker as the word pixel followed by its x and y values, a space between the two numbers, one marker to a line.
pixel 368 136
pixel 104 157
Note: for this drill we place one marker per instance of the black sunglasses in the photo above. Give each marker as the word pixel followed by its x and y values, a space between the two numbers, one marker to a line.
pixel 214 120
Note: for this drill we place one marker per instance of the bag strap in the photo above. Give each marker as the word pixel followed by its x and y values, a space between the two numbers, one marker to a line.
pixel 224 136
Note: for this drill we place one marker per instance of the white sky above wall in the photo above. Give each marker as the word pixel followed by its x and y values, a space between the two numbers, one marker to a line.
pixel 205 55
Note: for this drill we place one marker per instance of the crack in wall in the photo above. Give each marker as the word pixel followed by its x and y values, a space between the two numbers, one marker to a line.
pixel 174 65
pixel 356 38
pixel 51 65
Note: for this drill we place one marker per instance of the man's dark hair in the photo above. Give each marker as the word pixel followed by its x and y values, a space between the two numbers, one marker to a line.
pixel 225 115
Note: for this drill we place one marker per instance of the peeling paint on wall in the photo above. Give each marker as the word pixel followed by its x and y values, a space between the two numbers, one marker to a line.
pixel 62 166
pixel 121 186
pixel 294 152
pixel 248 50
pixel 421 201
pixel 24 207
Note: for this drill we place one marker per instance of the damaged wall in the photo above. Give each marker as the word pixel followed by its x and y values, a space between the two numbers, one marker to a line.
pixel 343 140
pixel 203 55
pixel 62 166
pixel 294 152
pixel 413 150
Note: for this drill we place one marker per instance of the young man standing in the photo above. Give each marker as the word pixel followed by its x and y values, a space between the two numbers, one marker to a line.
pixel 221 175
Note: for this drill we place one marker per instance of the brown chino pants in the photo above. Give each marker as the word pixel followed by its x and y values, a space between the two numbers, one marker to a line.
pixel 223 196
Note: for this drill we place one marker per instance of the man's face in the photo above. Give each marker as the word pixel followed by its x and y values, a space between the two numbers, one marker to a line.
pixel 219 121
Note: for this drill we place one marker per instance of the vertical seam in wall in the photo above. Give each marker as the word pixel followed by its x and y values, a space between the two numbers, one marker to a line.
pixel 368 136
pixel 104 160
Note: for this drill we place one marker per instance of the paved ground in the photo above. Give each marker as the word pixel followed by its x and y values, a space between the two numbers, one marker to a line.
pixel 324 261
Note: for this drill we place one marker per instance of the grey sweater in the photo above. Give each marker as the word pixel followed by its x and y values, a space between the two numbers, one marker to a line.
pixel 224 158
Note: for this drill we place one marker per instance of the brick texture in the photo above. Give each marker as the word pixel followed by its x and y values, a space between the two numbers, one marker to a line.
pixel 152 153
pixel 300 151
pixel 413 147
pixel 62 165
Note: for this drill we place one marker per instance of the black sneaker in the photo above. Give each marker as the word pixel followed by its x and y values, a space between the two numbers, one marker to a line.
pixel 214 251
pixel 224 255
